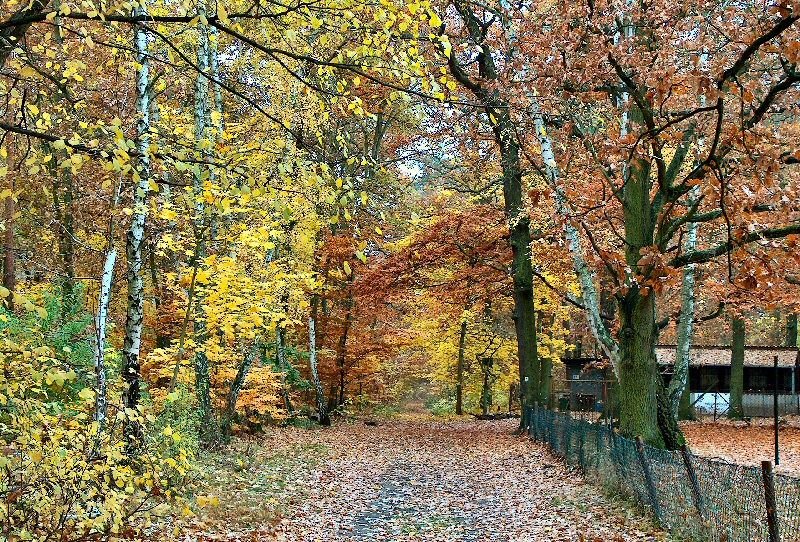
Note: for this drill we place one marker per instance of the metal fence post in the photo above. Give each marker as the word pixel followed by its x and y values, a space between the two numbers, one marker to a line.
pixel 648 479
pixel 567 436
pixel 695 485
pixel 769 498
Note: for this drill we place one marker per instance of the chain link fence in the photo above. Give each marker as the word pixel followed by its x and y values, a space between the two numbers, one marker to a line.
pixel 694 498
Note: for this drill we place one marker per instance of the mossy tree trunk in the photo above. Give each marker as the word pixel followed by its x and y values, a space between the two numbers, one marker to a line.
pixel 736 408
pixel 638 372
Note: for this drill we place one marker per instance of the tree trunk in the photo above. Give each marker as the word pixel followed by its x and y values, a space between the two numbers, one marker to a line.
pixel 522 268
pixel 324 418
pixel 686 409
pixel 462 339
pixel 736 409
pixel 101 320
pixel 64 215
pixel 545 387
pixel 209 431
pixel 486 390
pixel 639 379
pixel 9 258
pixel 283 366
pixel 235 390
pixel 133 245
pixel 638 374
pixel 589 294
pixel 680 376
pixel 791 330
pixel 341 350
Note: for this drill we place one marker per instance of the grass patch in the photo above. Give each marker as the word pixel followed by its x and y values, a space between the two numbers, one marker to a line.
pixel 252 486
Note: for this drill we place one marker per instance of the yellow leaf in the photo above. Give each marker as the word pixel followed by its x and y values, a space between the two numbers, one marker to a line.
pixel 347 269
pixel 86 395
pixel 222 14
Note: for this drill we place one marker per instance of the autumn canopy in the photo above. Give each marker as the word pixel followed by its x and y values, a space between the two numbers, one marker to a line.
pixel 218 216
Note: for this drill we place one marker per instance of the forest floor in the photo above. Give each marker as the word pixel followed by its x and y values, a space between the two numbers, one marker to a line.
pixel 745 443
pixel 409 479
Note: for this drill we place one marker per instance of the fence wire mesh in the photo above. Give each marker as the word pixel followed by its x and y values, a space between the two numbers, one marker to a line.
pixel 693 497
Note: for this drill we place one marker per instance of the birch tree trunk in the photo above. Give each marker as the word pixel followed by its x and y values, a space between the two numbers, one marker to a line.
pixel 209 431
pixel 134 240
pixel 680 376
pixel 101 320
pixel 589 294
pixel 324 417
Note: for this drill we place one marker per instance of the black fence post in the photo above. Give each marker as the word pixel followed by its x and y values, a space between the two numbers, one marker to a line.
pixel 769 498
pixel 648 480
pixel 567 436
pixel 695 485
pixel 775 411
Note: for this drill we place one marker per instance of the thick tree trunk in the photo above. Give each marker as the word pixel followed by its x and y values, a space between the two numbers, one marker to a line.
pixel 736 409
pixel 324 418
pixel 639 380
pixel 462 340
pixel 638 374
pixel 522 268
pixel 133 245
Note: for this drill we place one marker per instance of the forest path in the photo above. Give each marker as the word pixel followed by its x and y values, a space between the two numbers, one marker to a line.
pixel 422 480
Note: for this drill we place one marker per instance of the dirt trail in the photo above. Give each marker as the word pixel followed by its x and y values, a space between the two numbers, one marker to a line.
pixel 427 481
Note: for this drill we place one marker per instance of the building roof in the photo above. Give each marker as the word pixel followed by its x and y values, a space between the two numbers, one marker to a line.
pixel 754 356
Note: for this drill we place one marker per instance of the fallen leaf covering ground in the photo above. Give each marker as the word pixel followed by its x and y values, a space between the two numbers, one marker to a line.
pixel 745 443
pixel 404 480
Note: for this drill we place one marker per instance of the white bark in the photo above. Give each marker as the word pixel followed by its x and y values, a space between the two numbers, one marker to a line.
pixel 214 67
pixel 680 375
pixel 101 321
pixel 135 236
pixel 589 296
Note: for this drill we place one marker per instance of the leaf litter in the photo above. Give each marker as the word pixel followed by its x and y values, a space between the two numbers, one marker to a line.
pixel 404 480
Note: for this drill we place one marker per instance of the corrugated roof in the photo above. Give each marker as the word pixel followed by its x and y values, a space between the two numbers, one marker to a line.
pixel 754 356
